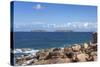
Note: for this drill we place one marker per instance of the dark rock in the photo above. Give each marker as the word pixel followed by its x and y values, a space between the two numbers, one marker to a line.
pixel 94 47
pixel 42 55
pixel 57 49
pixel 94 37
pixel 55 54
pixel 69 54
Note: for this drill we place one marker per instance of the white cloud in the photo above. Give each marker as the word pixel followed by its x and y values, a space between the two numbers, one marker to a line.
pixel 86 24
pixel 68 24
pixel 76 26
pixel 38 6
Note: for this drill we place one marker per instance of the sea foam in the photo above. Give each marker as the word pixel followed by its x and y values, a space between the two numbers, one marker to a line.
pixel 25 50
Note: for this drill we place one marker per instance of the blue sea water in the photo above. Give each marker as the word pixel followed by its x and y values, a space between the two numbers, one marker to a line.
pixel 38 40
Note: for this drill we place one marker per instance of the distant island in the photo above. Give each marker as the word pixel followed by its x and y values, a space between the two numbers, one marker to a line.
pixel 63 31
pixel 52 31
pixel 39 31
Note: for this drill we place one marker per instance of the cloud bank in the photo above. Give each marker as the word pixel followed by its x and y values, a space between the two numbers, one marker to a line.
pixel 75 26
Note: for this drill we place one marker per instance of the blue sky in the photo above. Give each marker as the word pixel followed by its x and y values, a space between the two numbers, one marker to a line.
pixel 46 16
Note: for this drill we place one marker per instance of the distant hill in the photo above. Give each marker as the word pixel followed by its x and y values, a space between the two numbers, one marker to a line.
pixel 63 31
pixel 52 31
pixel 39 31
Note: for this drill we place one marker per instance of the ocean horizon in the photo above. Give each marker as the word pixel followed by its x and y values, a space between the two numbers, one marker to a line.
pixel 41 40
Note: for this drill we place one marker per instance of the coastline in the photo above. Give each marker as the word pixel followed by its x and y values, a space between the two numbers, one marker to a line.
pixel 84 52
pixel 75 53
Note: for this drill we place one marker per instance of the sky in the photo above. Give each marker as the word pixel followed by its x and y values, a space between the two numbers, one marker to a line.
pixel 30 16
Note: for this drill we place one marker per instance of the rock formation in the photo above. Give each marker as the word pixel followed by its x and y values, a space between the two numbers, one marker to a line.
pixel 75 53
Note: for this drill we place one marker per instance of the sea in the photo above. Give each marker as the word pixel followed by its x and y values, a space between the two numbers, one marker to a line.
pixel 43 40
pixel 32 42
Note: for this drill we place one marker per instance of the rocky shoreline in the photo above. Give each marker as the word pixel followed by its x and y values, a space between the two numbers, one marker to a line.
pixel 75 53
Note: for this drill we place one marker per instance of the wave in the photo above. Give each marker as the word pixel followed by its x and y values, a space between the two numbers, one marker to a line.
pixel 25 50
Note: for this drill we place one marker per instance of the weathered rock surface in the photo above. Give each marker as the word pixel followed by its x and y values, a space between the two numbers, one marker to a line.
pixel 55 54
pixel 82 57
pixel 76 47
pixel 42 55
pixel 59 60
pixel 75 53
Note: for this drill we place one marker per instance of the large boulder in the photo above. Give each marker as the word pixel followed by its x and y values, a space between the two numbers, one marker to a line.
pixel 82 57
pixel 67 49
pixel 29 62
pixel 55 54
pixel 86 45
pixel 74 58
pixel 59 60
pixel 49 50
pixel 94 58
pixel 41 62
pixel 57 49
pixel 94 55
pixel 76 47
pixel 69 54
pixel 93 46
pixel 42 55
